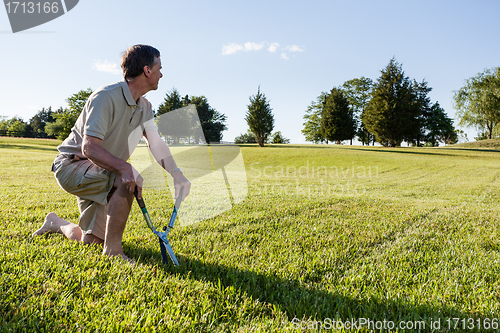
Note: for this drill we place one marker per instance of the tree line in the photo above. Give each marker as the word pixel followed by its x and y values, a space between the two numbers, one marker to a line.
pixel 183 126
pixel 47 123
pixel 57 124
pixel 389 111
pixel 259 118
pixel 179 127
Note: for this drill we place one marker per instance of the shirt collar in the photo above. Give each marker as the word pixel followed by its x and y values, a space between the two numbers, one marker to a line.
pixel 127 94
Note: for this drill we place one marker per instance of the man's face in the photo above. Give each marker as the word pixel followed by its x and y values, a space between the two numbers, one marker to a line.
pixel 156 74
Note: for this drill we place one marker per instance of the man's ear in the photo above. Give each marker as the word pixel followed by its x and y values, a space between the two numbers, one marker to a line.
pixel 147 71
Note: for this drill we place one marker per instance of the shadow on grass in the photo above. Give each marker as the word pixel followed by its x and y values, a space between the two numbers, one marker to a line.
pixel 379 149
pixel 298 300
pixel 399 150
pixel 28 147
pixel 413 151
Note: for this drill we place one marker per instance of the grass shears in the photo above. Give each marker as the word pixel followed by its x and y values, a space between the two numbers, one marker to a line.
pixel 162 236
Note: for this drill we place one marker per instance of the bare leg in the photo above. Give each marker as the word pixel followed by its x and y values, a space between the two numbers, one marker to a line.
pixel 118 210
pixel 55 224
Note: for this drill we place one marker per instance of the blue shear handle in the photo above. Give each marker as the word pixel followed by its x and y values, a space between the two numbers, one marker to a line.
pixel 176 207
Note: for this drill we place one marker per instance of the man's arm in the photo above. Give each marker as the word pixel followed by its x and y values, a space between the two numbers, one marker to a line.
pixel 93 150
pixel 163 156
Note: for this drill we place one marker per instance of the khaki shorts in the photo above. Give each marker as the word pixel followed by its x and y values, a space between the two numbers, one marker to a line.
pixel 91 185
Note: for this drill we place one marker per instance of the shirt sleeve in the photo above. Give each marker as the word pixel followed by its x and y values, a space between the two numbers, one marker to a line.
pixel 100 114
pixel 149 124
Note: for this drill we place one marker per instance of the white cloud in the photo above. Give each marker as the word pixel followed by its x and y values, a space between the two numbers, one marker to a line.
pixel 295 48
pixel 231 48
pixel 273 47
pixel 105 66
pixel 253 46
pixel 235 47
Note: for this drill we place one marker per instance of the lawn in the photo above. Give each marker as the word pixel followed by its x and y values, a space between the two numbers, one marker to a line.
pixel 368 237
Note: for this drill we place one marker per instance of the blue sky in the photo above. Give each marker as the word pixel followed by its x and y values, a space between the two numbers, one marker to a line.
pixel 225 49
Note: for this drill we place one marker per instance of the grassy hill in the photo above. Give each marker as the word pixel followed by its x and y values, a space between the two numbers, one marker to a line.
pixel 486 144
pixel 407 236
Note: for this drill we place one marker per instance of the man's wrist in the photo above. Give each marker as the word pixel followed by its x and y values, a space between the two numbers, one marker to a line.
pixel 175 170
pixel 123 167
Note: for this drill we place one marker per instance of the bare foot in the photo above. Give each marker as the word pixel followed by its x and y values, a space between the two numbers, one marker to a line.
pixel 89 239
pixel 51 225
pixel 120 255
pixel 128 260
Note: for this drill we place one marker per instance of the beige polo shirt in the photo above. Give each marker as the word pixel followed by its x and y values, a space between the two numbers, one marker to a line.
pixel 112 115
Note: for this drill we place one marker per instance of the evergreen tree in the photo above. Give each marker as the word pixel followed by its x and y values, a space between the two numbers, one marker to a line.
pixel 417 126
pixel 212 122
pixel 171 102
pixel 337 118
pixel 259 117
pixel 176 125
pixel 439 126
pixel 392 112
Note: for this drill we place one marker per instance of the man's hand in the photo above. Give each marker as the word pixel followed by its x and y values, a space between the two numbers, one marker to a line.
pixel 93 150
pixel 132 179
pixel 181 181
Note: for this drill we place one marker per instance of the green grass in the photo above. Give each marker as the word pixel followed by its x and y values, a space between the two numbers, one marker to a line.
pixel 326 232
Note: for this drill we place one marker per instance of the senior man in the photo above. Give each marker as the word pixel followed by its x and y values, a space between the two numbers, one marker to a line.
pixel 92 161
